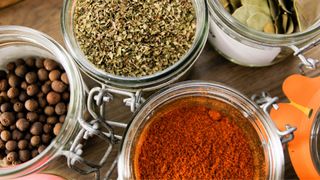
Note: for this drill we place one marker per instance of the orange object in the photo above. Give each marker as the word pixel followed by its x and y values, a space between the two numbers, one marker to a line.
pixel 304 96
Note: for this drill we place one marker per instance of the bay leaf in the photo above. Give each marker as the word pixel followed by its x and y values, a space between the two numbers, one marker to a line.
pixel 258 21
pixel 307 12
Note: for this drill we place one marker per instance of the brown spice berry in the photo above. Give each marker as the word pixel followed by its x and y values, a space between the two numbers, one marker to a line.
pixel 24 155
pixel 11 145
pixel 21 70
pixel 16 135
pixel 32 116
pixel 36 128
pixel 23 96
pixel 30 61
pixel 24 85
pixel 35 141
pixel 62 118
pixel 18 106
pixel 41 148
pixel 31 105
pixel 45 138
pixel 57 129
pixel 34 153
pixel 39 63
pixel 46 87
pixel 5 107
pixel 12 156
pixel 53 98
pixel 52 120
pixel 54 75
pixel 14 80
pixel 47 128
pixel 60 108
pixel 50 64
pixel 43 74
pixel 4 85
pixel 22 124
pixel 2 145
pixel 22 144
pixel 11 66
pixel 5 135
pixel 7 118
pixel 32 90
pixel 49 110
pixel 31 77
pixel 64 78
pixel 42 102
pixel 58 86
pixel 13 92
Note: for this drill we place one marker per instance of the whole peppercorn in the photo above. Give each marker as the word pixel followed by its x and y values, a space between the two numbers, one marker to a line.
pixel 49 110
pixel 23 96
pixel 45 138
pixel 22 144
pixel 4 85
pixel 58 86
pixel 21 70
pixel 66 96
pixel 31 77
pixel 16 135
pixel 42 102
pixel 13 92
pixel 22 124
pixel 30 62
pixel 57 129
pixel 34 153
pixel 52 120
pixel 43 74
pixel 50 64
pixel 24 155
pixel 5 135
pixel 3 74
pixel 7 118
pixel 12 156
pixel 47 128
pixel 11 66
pixel 36 128
pixel 5 107
pixel 20 115
pixel 14 80
pixel 54 75
pixel 24 85
pixel 53 98
pixel 32 116
pixel 31 105
pixel 11 145
pixel 42 118
pixel 64 78
pixel 2 145
pixel 41 148
pixel 46 87
pixel 32 90
pixel 60 108
pixel 18 106
pixel 62 118
pixel 39 63
pixel 35 141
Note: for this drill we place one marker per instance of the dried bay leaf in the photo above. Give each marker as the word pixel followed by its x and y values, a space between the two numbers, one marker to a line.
pixel 307 12
pixel 274 9
pixel 245 11
pixel 258 21
pixel 269 28
pixel 235 4
pixel 286 5
pixel 262 4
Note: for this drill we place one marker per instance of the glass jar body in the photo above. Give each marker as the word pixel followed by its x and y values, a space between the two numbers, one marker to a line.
pixel 266 131
pixel 248 47
pixel 21 42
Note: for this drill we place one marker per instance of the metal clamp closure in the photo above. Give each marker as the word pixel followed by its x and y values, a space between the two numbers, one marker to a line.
pixel 265 101
pixel 98 126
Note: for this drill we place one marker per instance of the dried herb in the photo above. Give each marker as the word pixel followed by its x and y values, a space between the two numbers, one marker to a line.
pixel 134 37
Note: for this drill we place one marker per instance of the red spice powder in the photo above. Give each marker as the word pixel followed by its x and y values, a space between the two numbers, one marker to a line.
pixel 197 138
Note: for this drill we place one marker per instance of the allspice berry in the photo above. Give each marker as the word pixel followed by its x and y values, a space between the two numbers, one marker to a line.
pixel 57 128
pixel 5 135
pixel 21 70
pixel 62 118
pixel 5 107
pixel 2 145
pixel 32 90
pixel 13 92
pixel 46 138
pixel 35 141
pixel 11 66
pixel 31 105
pixel 58 86
pixel 64 78
pixel 34 153
pixel 52 120
pixel 54 75
pixel 43 74
pixel 14 80
pixel 31 77
pixel 11 145
pixel 36 128
pixel 22 144
pixel 16 135
pixel 24 85
pixel 42 102
pixel 18 106
pixel 7 118
pixel 60 108
pixel 41 148
pixel 32 116
pixel 12 156
pixel 50 64
pixel 46 87
pixel 66 96
pixel 4 85
pixel 39 63
pixel 49 110
pixel 30 62
pixel 22 124
pixel 53 98
pixel 20 115
pixel 24 155
pixel 23 96
pixel 47 128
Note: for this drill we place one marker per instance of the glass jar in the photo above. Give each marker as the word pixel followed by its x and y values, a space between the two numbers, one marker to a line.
pixel 146 83
pixel 19 42
pixel 245 46
pixel 266 130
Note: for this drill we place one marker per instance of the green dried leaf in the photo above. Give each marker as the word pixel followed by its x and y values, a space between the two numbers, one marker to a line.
pixel 285 21
pixel 274 9
pixel 307 12
pixel 290 27
pixel 286 5
pixel 269 28
pixel 258 21
pixel 262 4
pixel 245 11
pixel 235 4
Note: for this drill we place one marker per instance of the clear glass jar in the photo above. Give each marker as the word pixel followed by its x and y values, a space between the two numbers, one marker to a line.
pixel 266 130
pixel 245 46
pixel 19 42
pixel 146 83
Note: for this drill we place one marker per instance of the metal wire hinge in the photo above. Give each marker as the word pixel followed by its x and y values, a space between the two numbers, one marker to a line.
pixel 98 126
pixel 308 63
pixel 265 101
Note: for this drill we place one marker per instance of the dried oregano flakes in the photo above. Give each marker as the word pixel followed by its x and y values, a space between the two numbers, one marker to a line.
pixel 134 38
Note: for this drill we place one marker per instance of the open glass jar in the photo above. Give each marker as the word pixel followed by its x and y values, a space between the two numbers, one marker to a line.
pixel 267 132
pixel 146 83
pixel 21 42
pixel 245 46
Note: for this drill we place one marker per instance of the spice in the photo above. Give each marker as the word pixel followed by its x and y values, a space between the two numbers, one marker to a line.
pixel 134 38
pixel 198 138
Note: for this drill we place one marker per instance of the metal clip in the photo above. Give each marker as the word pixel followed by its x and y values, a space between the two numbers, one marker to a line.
pixel 265 101
pixel 308 63
pixel 97 98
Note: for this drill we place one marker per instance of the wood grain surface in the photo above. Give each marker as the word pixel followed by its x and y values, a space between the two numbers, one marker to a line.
pixel 45 16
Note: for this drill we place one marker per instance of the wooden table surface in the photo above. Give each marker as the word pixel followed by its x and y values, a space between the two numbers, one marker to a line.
pixel 45 16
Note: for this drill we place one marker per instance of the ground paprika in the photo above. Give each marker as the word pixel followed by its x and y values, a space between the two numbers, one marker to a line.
pixel 198 138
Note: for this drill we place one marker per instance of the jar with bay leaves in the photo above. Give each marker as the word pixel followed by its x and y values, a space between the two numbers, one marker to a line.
pixel 263 32
pixel 135 44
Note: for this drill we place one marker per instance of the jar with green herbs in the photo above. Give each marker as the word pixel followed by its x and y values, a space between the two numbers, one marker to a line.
pixel 135 44
pixel 263 32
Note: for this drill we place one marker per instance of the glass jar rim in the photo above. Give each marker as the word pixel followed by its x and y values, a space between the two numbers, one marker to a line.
pixel 225 20
pixel 102 76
